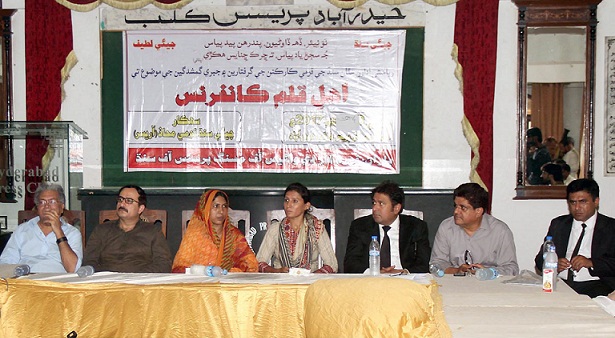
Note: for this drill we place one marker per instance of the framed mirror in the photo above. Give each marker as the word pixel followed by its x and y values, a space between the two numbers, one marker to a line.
pixel 555 103
pixel 7 186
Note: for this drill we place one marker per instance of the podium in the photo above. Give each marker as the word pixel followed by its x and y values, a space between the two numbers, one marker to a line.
pixel 63 163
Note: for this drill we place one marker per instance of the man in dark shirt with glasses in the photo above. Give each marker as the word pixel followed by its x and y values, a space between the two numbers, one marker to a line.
pixel 128 244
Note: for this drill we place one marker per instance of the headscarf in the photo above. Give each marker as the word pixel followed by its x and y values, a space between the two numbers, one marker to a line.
pixel 201 244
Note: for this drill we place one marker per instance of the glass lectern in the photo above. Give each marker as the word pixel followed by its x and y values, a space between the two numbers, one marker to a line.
pixel 62 164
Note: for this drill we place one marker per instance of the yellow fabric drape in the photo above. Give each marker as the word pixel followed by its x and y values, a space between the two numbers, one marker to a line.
pixel 466 126
pixel 374 307
pixel 171 310
pixel 135 4
pixel 221 309
pixel 69 64
pixel 121 4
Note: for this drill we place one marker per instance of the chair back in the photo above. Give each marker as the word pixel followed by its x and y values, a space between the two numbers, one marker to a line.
pixel 186 216
pixel 327 216
pixel 275 215
pixel 153 216
pixel 75 218
pixel 364 212
pixel 239 218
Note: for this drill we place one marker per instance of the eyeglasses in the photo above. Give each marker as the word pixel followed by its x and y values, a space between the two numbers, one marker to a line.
pixel 463 208
pixel 50 202
pixel 468 257
pixel 128 200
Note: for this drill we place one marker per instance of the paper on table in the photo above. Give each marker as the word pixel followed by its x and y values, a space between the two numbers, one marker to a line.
pixel 298 272
pixel 526 277
pixel 606 303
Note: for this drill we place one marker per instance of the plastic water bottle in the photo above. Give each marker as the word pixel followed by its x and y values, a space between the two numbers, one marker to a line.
pixel 546 245
pixel 549 270
pixel 436 271
pixel 374 257
pixel 21 270
pixel 209 270
pixel 84 271
pixel 486 274
pixel 215 271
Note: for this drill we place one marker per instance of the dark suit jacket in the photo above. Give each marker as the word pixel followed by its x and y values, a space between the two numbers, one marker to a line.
pixel 414 249
pixel 603 245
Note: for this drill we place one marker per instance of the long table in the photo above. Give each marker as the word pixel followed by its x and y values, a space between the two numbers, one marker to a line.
pixel 269 305
pixel 478 309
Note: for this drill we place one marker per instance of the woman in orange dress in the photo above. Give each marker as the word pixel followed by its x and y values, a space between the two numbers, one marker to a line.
pixel 211 239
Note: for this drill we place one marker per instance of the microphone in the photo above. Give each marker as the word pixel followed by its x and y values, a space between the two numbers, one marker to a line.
pixel 84 271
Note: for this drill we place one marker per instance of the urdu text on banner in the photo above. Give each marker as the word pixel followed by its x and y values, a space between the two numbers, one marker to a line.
pixel 263 101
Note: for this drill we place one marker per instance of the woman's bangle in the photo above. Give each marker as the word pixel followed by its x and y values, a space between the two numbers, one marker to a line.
pixel 61 239
pixel 262 266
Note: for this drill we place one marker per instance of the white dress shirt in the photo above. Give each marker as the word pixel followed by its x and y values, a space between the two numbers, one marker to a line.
pixel 584 250
pixel 393 234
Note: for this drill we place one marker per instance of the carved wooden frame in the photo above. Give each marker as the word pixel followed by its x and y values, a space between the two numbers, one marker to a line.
pixel 537 13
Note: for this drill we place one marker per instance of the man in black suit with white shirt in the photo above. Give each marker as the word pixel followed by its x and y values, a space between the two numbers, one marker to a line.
pixel 584 242
pixel 407 235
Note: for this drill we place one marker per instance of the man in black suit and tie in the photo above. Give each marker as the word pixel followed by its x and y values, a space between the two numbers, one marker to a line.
pixel 584 242
pixel 405 237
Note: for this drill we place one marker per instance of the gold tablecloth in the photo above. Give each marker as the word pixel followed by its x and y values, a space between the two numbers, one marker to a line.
pixel 159 305
pixel 374 307
pixel 50 309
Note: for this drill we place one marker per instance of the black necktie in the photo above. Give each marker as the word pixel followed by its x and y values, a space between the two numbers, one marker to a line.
pixel 385 251
pixel 576 252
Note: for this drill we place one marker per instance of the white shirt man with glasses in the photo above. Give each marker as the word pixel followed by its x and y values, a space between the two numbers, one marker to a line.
pixel 472 239
pixel 46 242
pixel 128 244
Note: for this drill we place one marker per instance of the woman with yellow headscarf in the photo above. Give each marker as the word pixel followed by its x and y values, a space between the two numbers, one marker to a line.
pixel 211 239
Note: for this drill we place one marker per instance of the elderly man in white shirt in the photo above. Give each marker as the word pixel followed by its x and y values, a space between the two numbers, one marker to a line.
pixel 46 243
